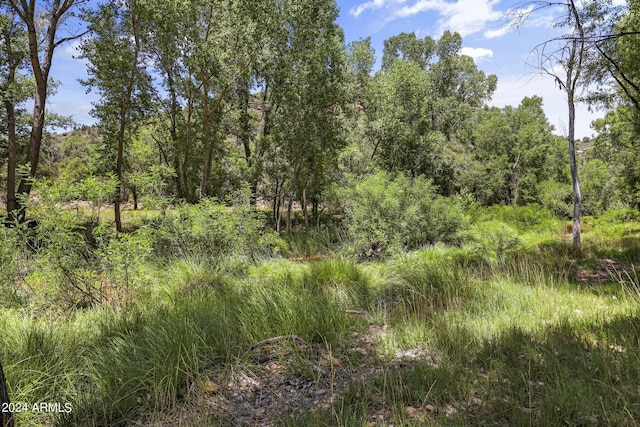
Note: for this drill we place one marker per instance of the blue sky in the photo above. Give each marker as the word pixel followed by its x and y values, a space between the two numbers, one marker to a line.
pixel 487 36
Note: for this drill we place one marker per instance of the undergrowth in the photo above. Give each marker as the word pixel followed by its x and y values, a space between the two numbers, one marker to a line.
pixel 497 330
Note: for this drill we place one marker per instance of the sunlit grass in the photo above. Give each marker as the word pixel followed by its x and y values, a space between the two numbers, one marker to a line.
pixel 459 335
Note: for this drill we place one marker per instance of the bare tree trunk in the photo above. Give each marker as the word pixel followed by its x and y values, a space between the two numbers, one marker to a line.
pixel 577 196
pixel 574 69
pixel 6 418
pixel 289 210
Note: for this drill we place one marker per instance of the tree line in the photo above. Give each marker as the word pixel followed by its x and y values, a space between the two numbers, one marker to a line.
pixel 201 98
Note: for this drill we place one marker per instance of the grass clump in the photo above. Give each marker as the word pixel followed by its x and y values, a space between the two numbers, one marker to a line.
pixel 530 218
pixel 428 281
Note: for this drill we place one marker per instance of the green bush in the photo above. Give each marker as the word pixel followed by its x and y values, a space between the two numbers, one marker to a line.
pixel 211 229
pixel 618 216
pixel 386 213
pixel 494 239
pixel 557 198
pixel 15 260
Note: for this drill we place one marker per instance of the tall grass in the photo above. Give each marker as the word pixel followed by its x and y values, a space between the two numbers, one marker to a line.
pixel 495 331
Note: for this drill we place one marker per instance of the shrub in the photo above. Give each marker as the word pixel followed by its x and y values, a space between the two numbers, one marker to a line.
pixel 211 229
pixel 557 198
pixel 14 263
pixel 387 213
pixel 618 216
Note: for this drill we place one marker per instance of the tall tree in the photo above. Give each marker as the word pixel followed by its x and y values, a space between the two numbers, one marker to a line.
pixel 408 47
pixel 310 95
pixel 41 20
pixel 570 51
pixel 116 69
pixel 418 103
pixel 13 55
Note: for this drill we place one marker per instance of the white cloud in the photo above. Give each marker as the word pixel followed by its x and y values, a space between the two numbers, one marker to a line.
pixel 418 7
pixel 462 16
pixel 512 89
pixel 477 53
pixel 372 5
pixel 492 34
pixel 71 50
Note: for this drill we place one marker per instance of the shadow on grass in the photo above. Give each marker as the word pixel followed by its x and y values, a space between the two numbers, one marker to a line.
pixel 575 373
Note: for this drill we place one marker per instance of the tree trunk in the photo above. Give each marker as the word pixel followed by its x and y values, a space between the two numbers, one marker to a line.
pixel 187 153
pixel 173 130
pixel 245 137
pixel 10 108
pixel 208 157
pixel 41 68
pixel 33 154
pixel 124 113
pixel 289 211
pixel 573 73
pixel 12 161
pixel 6 418
pixel 134 193
pixel 577 196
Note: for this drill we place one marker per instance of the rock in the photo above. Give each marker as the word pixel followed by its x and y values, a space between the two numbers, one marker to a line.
pixel 411 411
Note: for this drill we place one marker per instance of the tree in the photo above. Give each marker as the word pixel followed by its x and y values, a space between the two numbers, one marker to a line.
pixel 418 103
pixel 616 146
pixel 511 152
pixel 41 23
pixel 13 55
pixel 407 47
pixel 303 78
pixel 115 69
pixel 570 52
pixel 613 31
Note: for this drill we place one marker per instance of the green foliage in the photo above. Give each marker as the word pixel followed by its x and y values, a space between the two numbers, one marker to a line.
pixel 494 238
pixel 211 229
pixel 386 213
pixel 15 261
pixel 618 216
pixel 97 191
pixel 512 154
pixel 122 258
pixel 598 187
pixel 530 218
pixel 557 197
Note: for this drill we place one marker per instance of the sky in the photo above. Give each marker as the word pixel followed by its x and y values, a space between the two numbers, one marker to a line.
pixel 496 46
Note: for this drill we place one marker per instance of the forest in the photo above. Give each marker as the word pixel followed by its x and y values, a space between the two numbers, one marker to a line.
pixel 269 225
